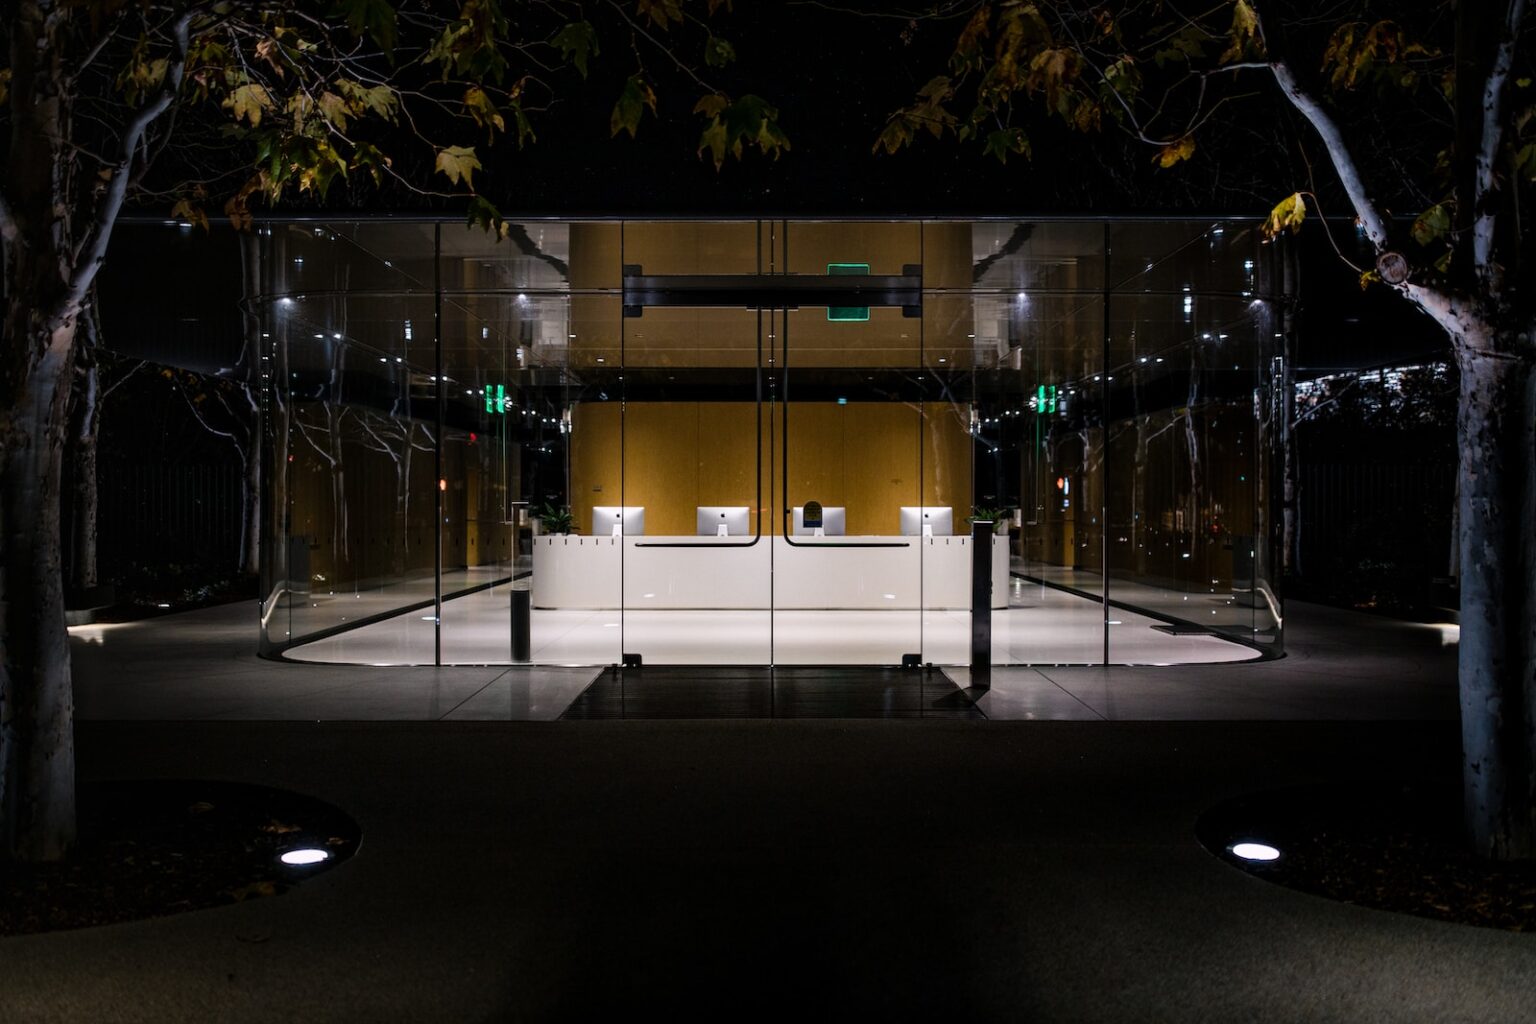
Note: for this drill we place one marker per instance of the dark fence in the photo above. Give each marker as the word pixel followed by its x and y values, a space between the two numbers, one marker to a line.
pixel 167 515
pixel 1375 533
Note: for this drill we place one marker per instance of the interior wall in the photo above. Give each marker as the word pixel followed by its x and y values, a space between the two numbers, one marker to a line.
pixel 870 458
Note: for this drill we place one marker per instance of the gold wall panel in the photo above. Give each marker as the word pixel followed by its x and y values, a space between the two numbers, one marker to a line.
pixel 882 472
pixel 727 458
pixel 870 458
pixel 692 337
pixel 596 466
pixel 815 455
pixel 886 339
pixel 596 257
pixel 704 337
pixel 692 247
pixel 886 247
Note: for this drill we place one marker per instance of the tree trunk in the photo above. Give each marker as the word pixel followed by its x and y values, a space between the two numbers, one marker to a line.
pixel 37 762
pixel 250 368
pixel 83 493
pixel 1497 491
pixel 250 506
pixel 1290 542
pixel 37 756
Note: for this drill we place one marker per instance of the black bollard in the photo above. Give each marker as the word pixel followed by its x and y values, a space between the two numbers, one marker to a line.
pixel 981 603
pixel 522 624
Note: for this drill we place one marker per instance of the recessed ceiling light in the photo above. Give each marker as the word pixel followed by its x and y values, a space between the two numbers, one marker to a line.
pixel 1254 851
pixel 306 855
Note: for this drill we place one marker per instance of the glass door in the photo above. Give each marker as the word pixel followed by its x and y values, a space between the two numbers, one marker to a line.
pixel 849 430
pixel 686 497
pixel 853 442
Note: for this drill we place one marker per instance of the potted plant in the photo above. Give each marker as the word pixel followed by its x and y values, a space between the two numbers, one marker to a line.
pixel 555 519
pixel 999 517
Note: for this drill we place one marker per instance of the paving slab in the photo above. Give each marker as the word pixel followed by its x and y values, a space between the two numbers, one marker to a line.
pixel 907 870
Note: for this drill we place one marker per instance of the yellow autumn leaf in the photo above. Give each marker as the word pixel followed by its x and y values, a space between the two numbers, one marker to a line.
pixel 1287 215
pixel 1244 33
pixel 1172 153
pixel 186 210
pixel 248 102
pixel 459 163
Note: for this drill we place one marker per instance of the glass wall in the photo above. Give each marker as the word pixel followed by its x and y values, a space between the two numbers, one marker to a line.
pixel 457 424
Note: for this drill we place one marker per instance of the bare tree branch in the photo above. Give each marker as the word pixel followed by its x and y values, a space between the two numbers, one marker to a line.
pixel 92 250
pixel 1495 90
pixel 1338 152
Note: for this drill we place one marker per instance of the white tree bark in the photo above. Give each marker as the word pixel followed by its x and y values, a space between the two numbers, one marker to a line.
pixel 1497 480
pixel 1497 505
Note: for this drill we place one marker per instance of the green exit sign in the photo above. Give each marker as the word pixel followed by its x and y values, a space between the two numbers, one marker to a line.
pixel 496 399
pixel 1045 400
pixel 848 313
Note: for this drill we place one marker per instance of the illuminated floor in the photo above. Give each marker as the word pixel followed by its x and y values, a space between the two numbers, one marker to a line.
pixel 1042 626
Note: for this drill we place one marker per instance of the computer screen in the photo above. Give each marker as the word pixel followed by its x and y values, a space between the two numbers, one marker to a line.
pixel 733 517
pixel 834 521
pixel 630 518
pixel 939 517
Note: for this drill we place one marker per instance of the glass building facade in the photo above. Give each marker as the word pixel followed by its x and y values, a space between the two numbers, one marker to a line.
pixel 688 393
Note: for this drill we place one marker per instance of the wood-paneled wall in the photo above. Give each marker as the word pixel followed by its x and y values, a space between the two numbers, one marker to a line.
pixel 730 337
pixel 870 458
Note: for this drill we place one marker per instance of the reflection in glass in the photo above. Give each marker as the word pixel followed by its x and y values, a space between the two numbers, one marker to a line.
pixel 446 411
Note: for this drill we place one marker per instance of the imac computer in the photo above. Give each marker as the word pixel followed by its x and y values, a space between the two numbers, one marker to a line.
pixel 610 520
pixel 930 520
pixel 734 518
pixel 834 522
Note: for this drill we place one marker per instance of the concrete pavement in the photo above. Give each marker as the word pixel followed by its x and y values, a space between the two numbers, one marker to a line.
pixel 1003 870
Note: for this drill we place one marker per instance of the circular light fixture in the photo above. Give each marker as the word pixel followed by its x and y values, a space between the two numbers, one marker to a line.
pixel 1248 850
pixel 303 856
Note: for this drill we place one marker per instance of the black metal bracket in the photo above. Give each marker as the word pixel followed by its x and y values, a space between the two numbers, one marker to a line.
pixel 773 291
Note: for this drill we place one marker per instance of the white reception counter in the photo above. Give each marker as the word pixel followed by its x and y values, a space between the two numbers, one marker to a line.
pixel 777 572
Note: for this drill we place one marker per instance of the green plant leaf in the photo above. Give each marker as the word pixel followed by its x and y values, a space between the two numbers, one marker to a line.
pixel 897 133
pixel 733 126
pixel 662 13
pixel 718 52
pixel 480 107
pixel 373 18
pixel 630 106
pixel 483 214
pixel 1004 141
pixel 379 100
pixel 577 43
pixel 1525 161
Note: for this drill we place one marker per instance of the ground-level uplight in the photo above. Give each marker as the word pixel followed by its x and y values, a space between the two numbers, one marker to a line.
pixel 1254 851
pixel 304 855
